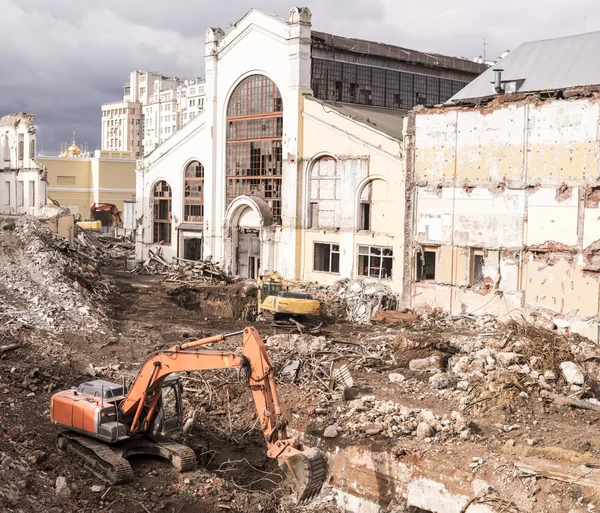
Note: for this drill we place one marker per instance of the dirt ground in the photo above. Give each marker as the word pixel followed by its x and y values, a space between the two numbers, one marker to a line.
pixel 141 314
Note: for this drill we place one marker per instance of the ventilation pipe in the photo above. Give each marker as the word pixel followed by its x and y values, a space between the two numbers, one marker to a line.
pixel 498 81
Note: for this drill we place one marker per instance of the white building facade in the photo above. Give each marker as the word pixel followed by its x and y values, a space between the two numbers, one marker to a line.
pixel 153 108
pixel 268 176
pixel 233 183
pixel 22 177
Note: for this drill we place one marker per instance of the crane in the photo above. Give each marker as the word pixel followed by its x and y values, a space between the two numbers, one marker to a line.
pixel 106 423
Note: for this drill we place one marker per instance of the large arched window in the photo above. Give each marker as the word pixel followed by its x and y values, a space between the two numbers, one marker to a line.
pixel 161 194
pixel 254 149
pixel 193 204
pixel 325 194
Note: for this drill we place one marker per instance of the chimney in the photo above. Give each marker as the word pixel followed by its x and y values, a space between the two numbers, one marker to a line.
pixel 498 87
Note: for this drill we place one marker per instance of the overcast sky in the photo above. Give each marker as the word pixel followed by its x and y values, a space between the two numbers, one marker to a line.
pixel 61 59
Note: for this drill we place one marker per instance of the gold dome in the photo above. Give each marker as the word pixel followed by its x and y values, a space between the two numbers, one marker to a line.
pixel 73 150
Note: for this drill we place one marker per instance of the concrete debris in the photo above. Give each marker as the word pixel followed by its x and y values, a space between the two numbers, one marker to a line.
pixel 391 420
pixel 431 363
pixel 396 377
pixel 361 299
pixel 572 373
pixel 62 488
pixel 300 344
pixel 48 283
pixel 330 432
pixel 441 380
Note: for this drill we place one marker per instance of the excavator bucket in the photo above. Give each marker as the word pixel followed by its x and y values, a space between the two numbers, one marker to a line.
pixel 306 471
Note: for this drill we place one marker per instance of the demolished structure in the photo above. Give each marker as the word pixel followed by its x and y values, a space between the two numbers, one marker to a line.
pixel 22 177
pixel 505 187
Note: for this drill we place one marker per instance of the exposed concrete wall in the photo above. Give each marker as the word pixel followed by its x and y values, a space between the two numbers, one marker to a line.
pixel 518 182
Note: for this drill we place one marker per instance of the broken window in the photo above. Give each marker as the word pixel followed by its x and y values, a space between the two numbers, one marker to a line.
pixel 365 207
pixel 32 194
pixel 314 215
pixel 161 194
pixel 325 194
pixel 20 193
pixel 32 149
pixel 327 257
pixel 6 200
pixel 355 83
pixel 193 203
pixel 21 150
pixel 426 265
pixel 476 268
pixel 375 261
pixel 254 142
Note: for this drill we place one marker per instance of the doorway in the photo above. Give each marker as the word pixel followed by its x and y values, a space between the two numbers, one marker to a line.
pixel 192 248
pixel 248 253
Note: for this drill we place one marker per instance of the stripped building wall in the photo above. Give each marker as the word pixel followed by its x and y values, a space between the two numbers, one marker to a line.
pixel 504 203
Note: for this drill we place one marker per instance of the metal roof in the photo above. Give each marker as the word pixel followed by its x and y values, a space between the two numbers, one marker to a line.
pixel 544 65
pixel 388 121
pixel 397 53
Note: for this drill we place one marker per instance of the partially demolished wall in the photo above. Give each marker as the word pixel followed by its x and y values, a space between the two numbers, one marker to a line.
pixel 506 208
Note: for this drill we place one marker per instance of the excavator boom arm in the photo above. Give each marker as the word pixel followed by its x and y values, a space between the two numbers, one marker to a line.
pixel 306 467
pixel 183 358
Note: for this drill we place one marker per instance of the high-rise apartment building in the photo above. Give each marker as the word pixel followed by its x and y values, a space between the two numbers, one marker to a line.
pixel 153 108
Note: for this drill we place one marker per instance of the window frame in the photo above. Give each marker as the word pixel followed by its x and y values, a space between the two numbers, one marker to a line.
pixel 193 177
pixel 372 256
pixel 476 254
pixel 254 157
pixel 160 200
pixel 421 276
pixel 330 263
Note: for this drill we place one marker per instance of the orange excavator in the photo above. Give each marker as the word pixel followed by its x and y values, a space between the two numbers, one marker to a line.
pixel 106 424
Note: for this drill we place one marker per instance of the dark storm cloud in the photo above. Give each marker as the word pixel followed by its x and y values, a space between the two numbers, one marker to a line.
pixel 62 59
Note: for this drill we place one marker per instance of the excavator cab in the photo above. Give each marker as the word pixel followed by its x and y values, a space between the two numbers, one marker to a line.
pixel 169 410
pixel 283 303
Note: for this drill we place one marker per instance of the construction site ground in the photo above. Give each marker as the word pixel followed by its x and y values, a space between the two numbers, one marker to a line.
pixel 492 427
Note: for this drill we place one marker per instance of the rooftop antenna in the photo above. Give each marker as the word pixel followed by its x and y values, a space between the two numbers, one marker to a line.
pixel 485 45
pixel 584 24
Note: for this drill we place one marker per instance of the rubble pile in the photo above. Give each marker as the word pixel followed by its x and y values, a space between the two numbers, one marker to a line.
pixel 103 247
pixel 316 363
pixel 44 282
pixel 356 300
pixel 368 416
pixel 184 271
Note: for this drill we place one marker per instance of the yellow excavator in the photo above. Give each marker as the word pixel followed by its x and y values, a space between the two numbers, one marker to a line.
pixel 283 303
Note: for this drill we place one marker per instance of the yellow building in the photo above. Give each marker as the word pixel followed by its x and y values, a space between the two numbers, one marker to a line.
pixel 77 180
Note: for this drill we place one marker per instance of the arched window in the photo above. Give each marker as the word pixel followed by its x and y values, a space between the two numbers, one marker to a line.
pixel 254 160
pixel 364 219
pixel 161 194
pixel 193 204
pixel 325 194
pixel 376 212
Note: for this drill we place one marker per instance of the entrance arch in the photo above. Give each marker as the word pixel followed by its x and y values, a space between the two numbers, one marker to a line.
pixel 248 248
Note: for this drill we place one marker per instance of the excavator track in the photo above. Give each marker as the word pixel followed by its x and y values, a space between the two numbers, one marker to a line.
pixel 97 457
pixel 183 458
